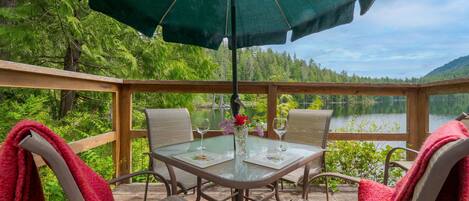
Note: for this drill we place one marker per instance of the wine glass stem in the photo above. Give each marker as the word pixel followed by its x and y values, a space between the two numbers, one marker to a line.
pixel 201 140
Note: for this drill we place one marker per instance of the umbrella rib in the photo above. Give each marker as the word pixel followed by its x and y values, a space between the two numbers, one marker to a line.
pixel 283 14
pixel 226 19
pixel 167 11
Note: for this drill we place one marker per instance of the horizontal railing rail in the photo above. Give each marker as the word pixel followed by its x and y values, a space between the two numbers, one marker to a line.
pixel 17 75
pixel 142 133
pixel 28 76
pixel 85 144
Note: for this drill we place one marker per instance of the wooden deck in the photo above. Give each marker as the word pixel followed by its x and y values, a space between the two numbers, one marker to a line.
pixel 135 192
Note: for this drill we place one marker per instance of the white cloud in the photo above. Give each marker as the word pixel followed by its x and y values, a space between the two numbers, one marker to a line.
pixel 417 13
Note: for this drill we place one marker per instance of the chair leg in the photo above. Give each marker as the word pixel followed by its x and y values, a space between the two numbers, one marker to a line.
pixel 199 188
pixel 146 187
pixel 277 197
pixel 281 185
pixel 247 194
pixel 386 174
pixel 306 182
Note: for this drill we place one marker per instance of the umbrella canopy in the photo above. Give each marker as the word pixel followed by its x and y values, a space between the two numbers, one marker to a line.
pixel 254 22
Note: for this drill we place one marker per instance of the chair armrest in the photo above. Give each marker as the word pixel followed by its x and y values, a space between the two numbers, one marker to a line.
pixel 124 177
pixel 336 175
pixel 403 148
pixel 462 116
pixel 389 154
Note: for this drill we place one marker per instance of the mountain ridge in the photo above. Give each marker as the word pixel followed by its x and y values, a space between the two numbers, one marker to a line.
pixel 457 68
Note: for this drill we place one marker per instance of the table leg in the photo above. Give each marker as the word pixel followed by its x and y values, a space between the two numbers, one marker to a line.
pixel 306 181
pixel 172 176
pixel 239 196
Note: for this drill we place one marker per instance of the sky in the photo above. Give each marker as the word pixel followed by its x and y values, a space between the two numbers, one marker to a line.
pixel 396 38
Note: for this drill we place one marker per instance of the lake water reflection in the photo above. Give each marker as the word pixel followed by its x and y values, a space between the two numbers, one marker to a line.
pixel 363 122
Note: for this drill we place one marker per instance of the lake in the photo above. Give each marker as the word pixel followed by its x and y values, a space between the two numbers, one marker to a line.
pixel 384 116
pixel 364 122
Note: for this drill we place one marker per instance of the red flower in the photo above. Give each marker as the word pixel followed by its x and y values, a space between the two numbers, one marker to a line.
pixel 240 119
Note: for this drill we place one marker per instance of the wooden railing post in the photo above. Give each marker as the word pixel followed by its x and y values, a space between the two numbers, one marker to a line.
pixel 116 128
pixel 417 119
pixel 123 138
pixel 271 110
pixel 423 117
pixel 412 122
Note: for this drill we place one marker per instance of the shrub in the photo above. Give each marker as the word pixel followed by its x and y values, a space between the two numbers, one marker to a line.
pixel 359 159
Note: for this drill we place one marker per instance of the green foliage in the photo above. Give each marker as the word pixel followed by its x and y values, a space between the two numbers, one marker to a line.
pixel 260 64
pixel 359 159
pixel 17 106
pixel 286 103
pixel 317 104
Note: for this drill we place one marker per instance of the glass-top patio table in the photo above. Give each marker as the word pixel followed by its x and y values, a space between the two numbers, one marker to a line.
pixel 237 173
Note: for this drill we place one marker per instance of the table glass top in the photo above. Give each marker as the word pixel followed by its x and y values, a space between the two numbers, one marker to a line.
pixel 237 169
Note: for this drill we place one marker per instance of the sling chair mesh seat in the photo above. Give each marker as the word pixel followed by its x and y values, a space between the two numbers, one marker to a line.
pixel 310 127
pixel 166 127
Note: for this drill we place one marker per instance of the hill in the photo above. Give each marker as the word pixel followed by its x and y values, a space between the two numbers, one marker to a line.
pixel 457 68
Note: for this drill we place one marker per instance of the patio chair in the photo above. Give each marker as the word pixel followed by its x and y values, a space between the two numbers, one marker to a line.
pixel 307 127
pixel 34 143
pixel 406 164
pixel 166 127
pixel 439 166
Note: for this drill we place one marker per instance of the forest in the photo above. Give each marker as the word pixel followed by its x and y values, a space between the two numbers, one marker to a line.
pixel 68 35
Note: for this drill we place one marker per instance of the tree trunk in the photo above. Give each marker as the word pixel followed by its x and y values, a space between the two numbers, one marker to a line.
pixel 7 3
pixel 67 98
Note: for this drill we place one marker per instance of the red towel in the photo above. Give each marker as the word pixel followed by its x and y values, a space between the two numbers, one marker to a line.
pixel 19 179
pixel 456 186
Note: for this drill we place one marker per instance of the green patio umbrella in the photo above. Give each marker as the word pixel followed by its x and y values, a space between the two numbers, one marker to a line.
pixel 206 23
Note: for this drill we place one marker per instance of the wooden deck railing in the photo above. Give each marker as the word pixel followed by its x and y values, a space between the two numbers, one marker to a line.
pixel 27 76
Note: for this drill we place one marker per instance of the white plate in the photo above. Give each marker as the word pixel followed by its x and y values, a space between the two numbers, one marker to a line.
pixel 271 161
pixel 210 158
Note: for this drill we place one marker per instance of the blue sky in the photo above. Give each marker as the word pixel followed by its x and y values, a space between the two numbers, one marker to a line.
pixel 396 38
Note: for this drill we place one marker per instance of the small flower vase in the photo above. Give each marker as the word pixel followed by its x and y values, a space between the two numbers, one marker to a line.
pixel 240 137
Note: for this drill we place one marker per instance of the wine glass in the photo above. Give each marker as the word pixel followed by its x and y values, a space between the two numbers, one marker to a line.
pixel 280 128
pixel 202 128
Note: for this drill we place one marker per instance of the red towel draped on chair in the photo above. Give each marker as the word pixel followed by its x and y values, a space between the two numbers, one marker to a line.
pixel 456 186
pixel 19 179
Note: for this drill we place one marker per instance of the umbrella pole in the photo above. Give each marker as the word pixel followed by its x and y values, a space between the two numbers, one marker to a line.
pixel 234 102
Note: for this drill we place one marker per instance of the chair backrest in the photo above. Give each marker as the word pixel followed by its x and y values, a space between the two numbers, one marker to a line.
pixel 308 126
pixel 168 126
pixel 464 118
pixel 465 122
pixel 438 169
pixel 34 143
